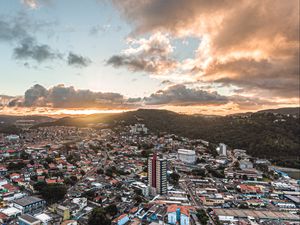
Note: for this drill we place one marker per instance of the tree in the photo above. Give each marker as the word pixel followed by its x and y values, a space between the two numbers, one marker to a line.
pixel 138 191
pixel 198 172
pixel 98 217
pixel 174 178
pixel 53 193
pixel 146 153
pixel 72 180
pixel 15 166
pixel 38 186
pixel 24 155
pixel 82 172
pixel 111 210
pixel 100 171
pixel 202 216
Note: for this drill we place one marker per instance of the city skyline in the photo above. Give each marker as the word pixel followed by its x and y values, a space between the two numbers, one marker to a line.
pixel 65 57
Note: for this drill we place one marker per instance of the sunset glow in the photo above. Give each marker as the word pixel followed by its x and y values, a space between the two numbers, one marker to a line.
pixel 120 55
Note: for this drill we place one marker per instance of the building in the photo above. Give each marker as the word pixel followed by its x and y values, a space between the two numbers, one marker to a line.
pixel 187 156
pixel 222 149
pixel 69 222
pixel 232 215
pixel 63 211
pixel 142 187
pixel 29 204
pixel 138 129
pixel 12 138
pixel 121 220
pixel 178 215
pixel 157 175
pixel 245 164
pixel 26 219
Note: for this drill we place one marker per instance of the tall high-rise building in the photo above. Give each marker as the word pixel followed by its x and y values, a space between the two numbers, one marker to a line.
pixel 222 149
pixel 157 175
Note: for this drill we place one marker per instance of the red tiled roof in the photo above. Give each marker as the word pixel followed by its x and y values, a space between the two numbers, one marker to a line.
pixel 183 209
pixel 119 218
pixel 245 187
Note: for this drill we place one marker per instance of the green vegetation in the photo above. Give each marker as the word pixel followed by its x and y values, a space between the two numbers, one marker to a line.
pixel 16 166
pixel 202 216
pixel 52 193
pixel 174 178
pixel 99 217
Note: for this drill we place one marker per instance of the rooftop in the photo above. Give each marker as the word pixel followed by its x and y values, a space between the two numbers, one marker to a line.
pixel 27 200
pixel 28 218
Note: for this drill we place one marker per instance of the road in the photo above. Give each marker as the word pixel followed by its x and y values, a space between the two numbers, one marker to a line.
pixel 186 184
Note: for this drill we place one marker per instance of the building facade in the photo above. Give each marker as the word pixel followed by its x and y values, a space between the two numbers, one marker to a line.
pixel 157 175
pixel 29 204
pixel 187 156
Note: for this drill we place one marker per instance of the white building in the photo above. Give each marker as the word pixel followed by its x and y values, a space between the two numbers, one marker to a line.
pixel 141 186
pixel 44 218
pixel 138 128
pixel 222 149
pixel 245 164
pixel 12 138
pixel 187 156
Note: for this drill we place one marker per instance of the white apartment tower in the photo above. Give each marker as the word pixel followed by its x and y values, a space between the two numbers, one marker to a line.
pixel 222 149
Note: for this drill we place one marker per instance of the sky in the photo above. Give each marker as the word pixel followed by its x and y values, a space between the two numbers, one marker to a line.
pixel 193 56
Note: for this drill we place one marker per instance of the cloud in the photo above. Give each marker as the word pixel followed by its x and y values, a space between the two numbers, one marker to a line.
pixel 20 31
pixel 180 98
pixel 95 30
pixel 30 3
pixel 61 96
pixel 29 49
pixel 35 95
pixel 250 45
pixel 34 4
pixel 78 60
pixel 181 95
pixel 152 55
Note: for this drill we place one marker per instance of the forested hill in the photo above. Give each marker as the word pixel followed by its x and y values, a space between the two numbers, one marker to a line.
pixel 284 111
pixel 264 135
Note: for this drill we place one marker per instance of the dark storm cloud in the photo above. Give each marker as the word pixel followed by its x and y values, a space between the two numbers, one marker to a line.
pixel 181 95
pixel 78 60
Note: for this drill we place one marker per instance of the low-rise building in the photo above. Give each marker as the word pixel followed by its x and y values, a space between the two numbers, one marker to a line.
pixel 29 204
pixel 26 219
pixel 187 156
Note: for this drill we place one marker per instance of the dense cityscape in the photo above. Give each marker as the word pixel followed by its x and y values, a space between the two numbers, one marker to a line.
pixel 150 112
pixel 129 175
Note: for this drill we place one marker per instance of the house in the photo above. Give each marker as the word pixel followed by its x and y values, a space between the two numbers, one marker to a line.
pixel 249 189
pixel 3 170
pixel 26 219
pixel 178 214
pixel 245 164
pixel 3 218
pixel 44 218
pixel 121 220
pixel 63 211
